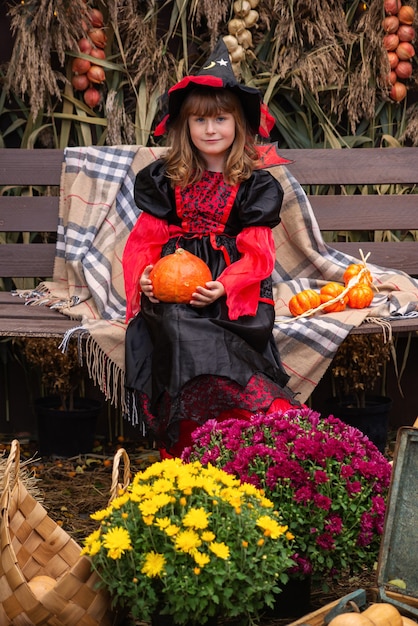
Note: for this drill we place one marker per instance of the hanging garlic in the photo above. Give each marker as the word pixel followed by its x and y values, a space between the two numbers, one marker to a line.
pixel 254 3
pixel 245 39
pixel 231 42
pixel 251 19
pixel 237 55
pixel 241 8
pixel 235 26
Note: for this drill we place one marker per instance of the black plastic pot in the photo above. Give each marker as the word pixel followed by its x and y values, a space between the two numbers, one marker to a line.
pixel 293 601
pixel 372 420
pixel 66 433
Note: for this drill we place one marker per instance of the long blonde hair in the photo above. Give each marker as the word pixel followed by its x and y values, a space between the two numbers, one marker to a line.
pixel 184 164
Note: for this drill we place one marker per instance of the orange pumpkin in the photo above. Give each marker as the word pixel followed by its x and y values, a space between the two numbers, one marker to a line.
pixel 360 296
pixel 377 614
pixel 330 291
pixel 383 614
pixel 304 301
pixel 175 276
pixel 354 269
pixel 40 585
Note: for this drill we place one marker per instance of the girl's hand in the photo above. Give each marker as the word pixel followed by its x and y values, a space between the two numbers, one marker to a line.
pixel 207 294
pixel 146 284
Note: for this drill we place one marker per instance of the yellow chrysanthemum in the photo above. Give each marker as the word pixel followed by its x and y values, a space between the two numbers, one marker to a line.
pixel 207 536
pixel 120 501
pixel 117 541
pixel 221 550
pixel 163 485
pixel 271 527
pixel 98 516
pixel 92 547
pixel 93 537
pixel 196 518
pixel 154 504
pixel 187 541
pixel 172 530
pixel 153 565
pixel 162 522
pixel 200 558
pixel 290 535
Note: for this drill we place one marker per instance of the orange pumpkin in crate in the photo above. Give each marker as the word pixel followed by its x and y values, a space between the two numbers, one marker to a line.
pixel 353 270
pixel 330 291
pixel 175 276
pixel 360 296
pixel 304 301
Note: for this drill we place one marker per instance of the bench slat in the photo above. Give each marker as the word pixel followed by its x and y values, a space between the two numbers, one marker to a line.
pixel 27 260
pixel 30 167
pixel 16 319
pixel 31 214
pixel 353 167
pixel 391 254
pixel 366 212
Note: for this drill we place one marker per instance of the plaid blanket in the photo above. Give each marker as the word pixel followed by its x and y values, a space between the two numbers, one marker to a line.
pixel 97 212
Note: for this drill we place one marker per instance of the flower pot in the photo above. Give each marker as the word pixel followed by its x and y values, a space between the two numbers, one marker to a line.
pixel 294 600
pixel 372 419
pixel 66 433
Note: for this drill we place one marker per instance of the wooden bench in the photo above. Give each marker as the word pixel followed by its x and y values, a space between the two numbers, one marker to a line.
pixel 344 207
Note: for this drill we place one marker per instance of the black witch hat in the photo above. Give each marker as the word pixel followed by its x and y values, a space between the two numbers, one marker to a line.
pixel 217 73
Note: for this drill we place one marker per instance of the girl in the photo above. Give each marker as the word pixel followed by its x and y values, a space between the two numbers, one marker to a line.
pixel 214 357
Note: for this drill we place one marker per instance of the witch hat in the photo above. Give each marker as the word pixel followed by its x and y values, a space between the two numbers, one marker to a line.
pixel 217 73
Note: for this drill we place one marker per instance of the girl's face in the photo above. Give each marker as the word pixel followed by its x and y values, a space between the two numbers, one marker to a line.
pixel 212 136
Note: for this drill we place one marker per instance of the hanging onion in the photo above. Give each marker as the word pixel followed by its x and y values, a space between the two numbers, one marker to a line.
pixel 84 45
pixel 80 66
pixel 80 82
pixel 405 32
pixel 98 37
pixel 406 15
pixel 392 6
pixel 393 60
pixel 398 91
pixel 390 24
pixel 96 18
pixel 391 42
pixel 405 51
pixel 404 70
pixel 98 53
pixel 91 97
pixel 96 74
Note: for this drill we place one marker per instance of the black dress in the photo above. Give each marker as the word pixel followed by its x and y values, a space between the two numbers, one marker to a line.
pixel 194 364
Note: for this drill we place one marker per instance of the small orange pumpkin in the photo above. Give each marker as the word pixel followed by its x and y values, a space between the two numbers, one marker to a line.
pixel 383 614
pixel 354 269
pixel 175 276
pixel 304 301
pixel 40 585
pixel 330 291
pixel 360 296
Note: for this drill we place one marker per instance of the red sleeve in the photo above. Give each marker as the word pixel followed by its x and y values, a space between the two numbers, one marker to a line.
pixel 142 248
pixel 242 278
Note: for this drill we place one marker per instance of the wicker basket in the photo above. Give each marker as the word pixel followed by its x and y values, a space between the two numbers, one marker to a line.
pixel 32 544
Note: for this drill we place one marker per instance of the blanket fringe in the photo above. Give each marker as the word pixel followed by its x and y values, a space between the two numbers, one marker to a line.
pixel 384 324
pixel 105 373
pixel 41 296
pixel 109 377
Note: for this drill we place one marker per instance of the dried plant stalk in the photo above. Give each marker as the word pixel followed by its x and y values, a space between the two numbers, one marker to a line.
pixel 42 28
